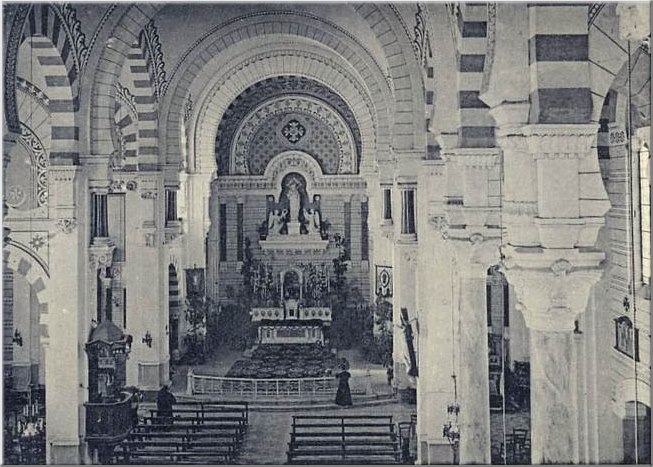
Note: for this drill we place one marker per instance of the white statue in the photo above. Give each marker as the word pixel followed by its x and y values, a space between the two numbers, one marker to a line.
pixel 276 222
pixel 312 217
pixel 293 201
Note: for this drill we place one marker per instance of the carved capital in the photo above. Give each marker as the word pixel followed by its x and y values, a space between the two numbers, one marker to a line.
pixel 475 255
pixel 441 224
pixel 551 300
pixel 100 255
pixel 66 224
pixel 560 141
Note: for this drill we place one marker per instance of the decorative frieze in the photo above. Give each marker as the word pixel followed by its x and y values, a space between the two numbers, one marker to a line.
pixel 149 194
pixel 73 29
pixel 421 39
pixel 125 96
pixel 40 162
pixel 149 41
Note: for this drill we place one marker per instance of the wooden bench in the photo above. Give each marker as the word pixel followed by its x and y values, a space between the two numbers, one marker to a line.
pixel 343 439
pixel 159 456
pixel 212 405
pixel 196 432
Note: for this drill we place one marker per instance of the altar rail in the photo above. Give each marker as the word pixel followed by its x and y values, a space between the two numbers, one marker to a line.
pixel 252 389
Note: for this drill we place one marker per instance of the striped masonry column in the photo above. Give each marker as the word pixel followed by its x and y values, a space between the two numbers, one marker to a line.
pixel 559 67
pixel 476 125
pixel 148 118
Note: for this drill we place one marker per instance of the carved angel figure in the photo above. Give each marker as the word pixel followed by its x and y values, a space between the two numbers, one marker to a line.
pixel 276 221
pixel 312 217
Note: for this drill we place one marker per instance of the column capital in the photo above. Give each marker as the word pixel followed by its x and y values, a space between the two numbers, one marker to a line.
pixel 476 254
pixel 560 141
pixel 551 299
pixel 482 158
pixel 100 253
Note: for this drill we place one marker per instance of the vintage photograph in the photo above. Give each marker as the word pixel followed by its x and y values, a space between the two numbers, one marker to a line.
pixel 326 233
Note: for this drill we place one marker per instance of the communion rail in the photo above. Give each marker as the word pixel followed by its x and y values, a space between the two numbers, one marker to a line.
pixel 251 389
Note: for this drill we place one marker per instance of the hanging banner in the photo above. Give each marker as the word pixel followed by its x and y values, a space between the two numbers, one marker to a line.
pixel 195 282
pixel 384 281
pixel 409 355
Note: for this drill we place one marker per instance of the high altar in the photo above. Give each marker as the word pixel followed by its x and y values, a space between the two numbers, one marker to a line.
pixel 290 226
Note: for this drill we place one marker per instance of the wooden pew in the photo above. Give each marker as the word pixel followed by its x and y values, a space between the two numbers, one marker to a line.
pixel 351 439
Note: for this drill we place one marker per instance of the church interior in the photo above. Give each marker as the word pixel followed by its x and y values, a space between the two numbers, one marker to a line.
pixel 219 218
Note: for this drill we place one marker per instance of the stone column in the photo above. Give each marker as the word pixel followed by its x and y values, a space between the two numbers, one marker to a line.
pixel 435 388
pixel 404 285
pixel 551 300
pixel 472 260
pixel 193 202
pixel 146 279
pixel 66 321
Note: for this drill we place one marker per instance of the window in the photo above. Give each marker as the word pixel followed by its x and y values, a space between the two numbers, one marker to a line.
pixel 626 337
pixel 239 232
pixel 365 248
pixel 223 232
pixel 408 211
pixel 171 205
pixel 387 204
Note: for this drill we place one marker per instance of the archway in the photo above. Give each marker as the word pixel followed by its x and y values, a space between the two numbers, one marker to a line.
pixel 637 433
pixel 25 333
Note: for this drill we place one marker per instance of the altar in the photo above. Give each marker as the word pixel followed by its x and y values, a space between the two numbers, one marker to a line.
pixel 277 326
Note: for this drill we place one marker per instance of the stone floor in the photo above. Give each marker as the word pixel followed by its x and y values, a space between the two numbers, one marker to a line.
pixel 267 439
pixel 268 435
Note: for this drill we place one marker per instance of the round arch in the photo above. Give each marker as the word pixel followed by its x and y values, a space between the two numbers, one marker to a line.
pixel 630 390
pixel 309 60
pixel 19 259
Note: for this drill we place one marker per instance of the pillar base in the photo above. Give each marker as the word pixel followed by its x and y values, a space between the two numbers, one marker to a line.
pixel 435 453
pixel 65 453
